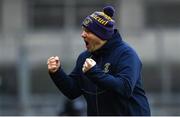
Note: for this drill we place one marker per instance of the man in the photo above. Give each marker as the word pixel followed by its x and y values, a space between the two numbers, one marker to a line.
pixel 108 74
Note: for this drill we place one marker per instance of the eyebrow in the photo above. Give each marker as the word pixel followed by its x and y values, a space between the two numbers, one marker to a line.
pixel 85 29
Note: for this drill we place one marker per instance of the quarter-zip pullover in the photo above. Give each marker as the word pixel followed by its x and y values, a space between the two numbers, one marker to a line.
pixel 113 86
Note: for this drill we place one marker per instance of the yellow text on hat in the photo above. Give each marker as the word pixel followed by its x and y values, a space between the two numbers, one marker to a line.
pixel 99 19
pixel 106 16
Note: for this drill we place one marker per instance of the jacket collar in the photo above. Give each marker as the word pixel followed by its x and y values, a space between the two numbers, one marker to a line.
pixel 111 44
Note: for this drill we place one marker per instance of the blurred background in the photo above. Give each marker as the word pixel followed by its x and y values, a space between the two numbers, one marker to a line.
pixel 33 30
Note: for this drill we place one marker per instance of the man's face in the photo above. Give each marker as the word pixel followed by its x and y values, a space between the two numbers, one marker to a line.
pixel 91 40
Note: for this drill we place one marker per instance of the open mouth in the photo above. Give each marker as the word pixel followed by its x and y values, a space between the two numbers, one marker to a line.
pixel 86 43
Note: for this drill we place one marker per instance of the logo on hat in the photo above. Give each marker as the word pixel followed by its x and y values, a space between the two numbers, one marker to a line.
pixel 87 21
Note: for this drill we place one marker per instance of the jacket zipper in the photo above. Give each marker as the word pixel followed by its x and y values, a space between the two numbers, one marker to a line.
pixel 97 101
pixel 97 89
pixel 100 63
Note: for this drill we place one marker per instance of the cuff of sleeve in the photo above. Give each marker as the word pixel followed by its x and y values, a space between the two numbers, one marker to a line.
pixel 94 73
pixel 57 74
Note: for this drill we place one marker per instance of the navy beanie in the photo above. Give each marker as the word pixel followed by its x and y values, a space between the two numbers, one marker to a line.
pixel 101 23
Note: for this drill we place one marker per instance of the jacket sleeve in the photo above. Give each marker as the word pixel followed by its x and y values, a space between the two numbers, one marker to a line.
pixel 123 81
pixel 67 84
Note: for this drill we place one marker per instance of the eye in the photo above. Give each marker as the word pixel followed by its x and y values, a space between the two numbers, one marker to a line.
pixel 85 29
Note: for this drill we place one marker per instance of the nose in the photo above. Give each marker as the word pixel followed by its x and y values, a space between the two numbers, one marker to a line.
pixel 83 34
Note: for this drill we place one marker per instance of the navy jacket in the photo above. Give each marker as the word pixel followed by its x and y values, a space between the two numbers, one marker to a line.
pixel 113 86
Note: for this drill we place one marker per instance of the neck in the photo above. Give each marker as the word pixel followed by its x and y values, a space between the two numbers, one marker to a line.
pixel 102 43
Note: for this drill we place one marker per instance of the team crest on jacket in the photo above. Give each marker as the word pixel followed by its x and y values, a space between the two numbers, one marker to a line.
pixel 106 67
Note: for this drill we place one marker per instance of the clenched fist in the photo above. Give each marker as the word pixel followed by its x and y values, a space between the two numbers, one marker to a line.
pixel 53 64
pixel 88 64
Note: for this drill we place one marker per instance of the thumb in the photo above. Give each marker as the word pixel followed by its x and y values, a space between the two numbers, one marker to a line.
pixel 56 58
pixel 57 61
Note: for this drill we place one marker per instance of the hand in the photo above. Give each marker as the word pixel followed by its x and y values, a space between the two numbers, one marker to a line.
pixel 53 64
pixel 88 64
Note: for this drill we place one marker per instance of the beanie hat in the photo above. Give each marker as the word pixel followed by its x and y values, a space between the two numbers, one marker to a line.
pixel 101 23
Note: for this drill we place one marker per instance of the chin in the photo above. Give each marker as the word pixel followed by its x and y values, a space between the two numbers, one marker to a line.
pixel 90 50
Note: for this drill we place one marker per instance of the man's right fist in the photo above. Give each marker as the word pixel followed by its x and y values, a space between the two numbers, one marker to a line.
pixel 53 64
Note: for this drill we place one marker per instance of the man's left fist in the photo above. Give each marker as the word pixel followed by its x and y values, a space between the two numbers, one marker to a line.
pixel 88 64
